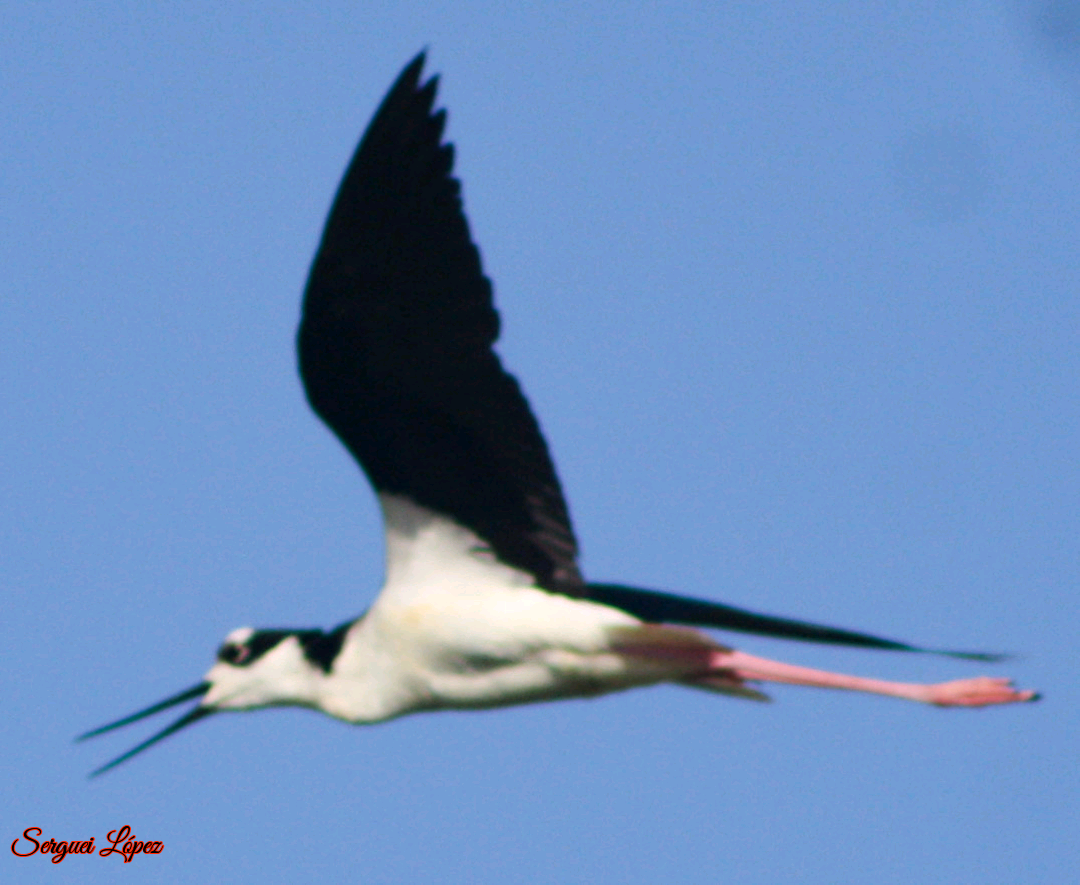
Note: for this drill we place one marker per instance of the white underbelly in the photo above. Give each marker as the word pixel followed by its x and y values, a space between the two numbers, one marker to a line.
pixel 500 648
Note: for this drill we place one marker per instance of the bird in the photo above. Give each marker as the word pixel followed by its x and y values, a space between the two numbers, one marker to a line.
pixel 484 604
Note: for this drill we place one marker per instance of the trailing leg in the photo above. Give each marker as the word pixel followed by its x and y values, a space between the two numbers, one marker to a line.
pixel 981 691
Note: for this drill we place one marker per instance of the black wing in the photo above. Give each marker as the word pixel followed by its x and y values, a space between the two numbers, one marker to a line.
pixel 396 353
pixel 656 606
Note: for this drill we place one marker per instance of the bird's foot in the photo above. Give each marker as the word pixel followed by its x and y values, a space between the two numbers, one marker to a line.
pixel 981 691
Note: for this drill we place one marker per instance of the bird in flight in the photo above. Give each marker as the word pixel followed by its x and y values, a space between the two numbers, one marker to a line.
pixel 484 604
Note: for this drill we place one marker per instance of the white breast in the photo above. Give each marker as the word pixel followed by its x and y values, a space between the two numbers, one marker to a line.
pixel 453 627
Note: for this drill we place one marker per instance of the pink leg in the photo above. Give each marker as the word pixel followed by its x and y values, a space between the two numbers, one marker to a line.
pixel 978 692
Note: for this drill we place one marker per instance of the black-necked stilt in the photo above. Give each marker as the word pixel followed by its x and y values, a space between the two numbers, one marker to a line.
pixel 483 604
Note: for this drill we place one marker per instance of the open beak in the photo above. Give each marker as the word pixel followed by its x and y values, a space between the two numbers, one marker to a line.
pixel 196 691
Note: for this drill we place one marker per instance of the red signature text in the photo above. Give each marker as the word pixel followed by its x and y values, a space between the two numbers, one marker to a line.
pixel 121 841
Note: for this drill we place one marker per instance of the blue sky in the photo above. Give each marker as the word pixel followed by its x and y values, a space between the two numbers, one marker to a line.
pixel 795 293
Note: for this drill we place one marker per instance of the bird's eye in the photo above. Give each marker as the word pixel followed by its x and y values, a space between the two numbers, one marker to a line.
pixel 233 653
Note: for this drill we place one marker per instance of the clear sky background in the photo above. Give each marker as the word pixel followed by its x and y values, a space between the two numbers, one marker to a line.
pixel 795 291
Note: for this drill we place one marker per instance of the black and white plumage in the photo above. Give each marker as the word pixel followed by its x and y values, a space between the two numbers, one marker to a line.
pixel 396 348
pixel 484 604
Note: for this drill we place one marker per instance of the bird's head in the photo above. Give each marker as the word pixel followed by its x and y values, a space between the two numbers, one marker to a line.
pixel 254 668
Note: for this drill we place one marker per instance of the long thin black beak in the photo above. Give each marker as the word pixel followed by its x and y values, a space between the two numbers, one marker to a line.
pixel 188 718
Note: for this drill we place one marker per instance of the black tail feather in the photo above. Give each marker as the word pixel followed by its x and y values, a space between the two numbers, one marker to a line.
pixel 655 606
